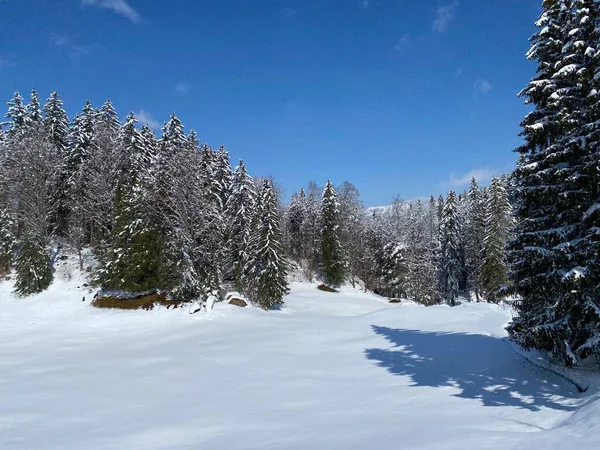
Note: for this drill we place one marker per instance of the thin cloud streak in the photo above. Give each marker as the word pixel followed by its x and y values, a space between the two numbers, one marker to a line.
pixel 145 118
pixel 443 17
pixel 120 7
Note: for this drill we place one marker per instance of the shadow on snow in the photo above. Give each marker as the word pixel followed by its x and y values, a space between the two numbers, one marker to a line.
pixel 481 367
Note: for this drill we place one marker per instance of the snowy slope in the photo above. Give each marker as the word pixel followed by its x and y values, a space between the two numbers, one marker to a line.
pixel 328 371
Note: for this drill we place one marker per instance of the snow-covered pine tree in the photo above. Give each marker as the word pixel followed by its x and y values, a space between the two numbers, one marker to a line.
pixel 32 265
pixel 333 264
pixel 266 266
pixel 34 110
pixel 395 269
pixel 56 125
pixel 450 266
pixel 498 224
pixel 81 142
pixel 132 263
pixel 475 230
pixel 16 115
pixel 223 176
pixel 238 217
pixel 558 313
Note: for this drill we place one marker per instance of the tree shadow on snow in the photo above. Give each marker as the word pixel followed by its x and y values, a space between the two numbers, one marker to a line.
pixel 481 367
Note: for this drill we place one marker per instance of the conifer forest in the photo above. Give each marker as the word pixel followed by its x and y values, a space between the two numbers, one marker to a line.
pixel 163 211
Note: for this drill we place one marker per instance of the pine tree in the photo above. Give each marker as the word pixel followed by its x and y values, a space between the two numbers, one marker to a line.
pixel 548 260
pixel 239 212
pixel 474 236
pixel 34 110
pixel 133 259
pixel 81 143
pixel 56 124
pixel 450 249
pixel 498 222
pixel 224 177
pixel 266 267
pixel 17 116
pixel 32 266
pixel 332 254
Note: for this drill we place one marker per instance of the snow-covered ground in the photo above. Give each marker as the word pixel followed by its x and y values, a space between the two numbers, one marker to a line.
pixel 328 371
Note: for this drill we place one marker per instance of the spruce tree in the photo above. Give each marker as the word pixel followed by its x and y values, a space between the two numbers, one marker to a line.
pixel 32 266
pixel 17 116
pixel 238 219
pixel 332 254
pixel 549 263
pixel 266 267
pixel 498 223
pixel 474 236
pixel 450 249
pixel 56 125
pixel 132 261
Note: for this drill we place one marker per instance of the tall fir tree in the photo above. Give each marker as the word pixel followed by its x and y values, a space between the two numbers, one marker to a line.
pixel 333 264
pixel 558 312
pixel 56 124
pixel 450 265
pixel 266 267
pixel 238 217
pixel 498 223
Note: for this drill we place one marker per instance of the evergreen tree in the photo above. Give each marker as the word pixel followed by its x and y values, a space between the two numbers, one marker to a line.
pixel 498 222
pixel 17 116
pixel 474 236
pixel 548 262
pixel 32 265
pixel 34 110
pixel 133 259
pixel 332 254
pixel 266 267
pixel 239 212
pixel 56 124
pixel 450 249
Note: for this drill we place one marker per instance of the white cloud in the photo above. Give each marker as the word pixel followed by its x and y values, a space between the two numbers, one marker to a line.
pixel 443 17
pixel 458 72
pixel 482 86
pixel 402 43
pixel 182 87
pixel 145 118
pixel 288 12
pixel 60 40
pixel 483 175
pixel 120 7
pixel 364 4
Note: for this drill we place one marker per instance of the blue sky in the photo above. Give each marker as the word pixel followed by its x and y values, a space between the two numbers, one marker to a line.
pixel 400 97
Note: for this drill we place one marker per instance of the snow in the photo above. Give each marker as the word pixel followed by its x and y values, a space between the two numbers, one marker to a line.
pixel 326 371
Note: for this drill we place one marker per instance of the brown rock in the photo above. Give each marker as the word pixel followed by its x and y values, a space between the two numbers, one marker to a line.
pixel 237 302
